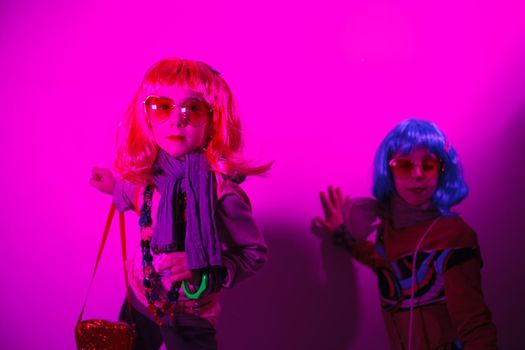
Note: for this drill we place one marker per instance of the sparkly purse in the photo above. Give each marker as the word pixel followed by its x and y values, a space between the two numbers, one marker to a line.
pixel 98 334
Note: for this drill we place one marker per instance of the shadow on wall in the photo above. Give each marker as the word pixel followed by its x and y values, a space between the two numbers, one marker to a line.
pixel 287 305
pixel 497 207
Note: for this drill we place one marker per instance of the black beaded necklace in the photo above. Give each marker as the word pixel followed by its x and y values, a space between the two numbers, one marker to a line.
pixel 157 305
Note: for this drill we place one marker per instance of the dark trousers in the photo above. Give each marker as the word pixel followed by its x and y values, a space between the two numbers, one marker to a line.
pixel 189 333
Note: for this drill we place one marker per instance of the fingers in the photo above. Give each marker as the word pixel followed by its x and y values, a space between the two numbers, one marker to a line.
pixel 320 222
pixel 336 196
pixel 180 270
pixel 171 260
pixel 333 196
pixel 98 174
pixel 322 225
pixel 175 263
pixel 334 205
pixel 326 205
pixel 95 176
pixel 317 227
pixel 97 171
pixel 177 275
pixel 333 200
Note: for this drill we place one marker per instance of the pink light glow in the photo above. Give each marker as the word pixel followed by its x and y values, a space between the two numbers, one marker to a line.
pixel 318 86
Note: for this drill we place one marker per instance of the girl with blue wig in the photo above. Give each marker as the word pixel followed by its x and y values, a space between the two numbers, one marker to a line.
pixel 426 258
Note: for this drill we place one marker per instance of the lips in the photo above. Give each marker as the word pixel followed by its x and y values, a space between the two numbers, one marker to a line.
pixel 176 138
pixel 416 189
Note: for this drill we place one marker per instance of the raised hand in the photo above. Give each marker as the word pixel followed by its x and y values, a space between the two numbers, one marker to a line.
pixel 102 179
pixel 332 202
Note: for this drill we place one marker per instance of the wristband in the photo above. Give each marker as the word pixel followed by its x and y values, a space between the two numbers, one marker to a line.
pixel 198 293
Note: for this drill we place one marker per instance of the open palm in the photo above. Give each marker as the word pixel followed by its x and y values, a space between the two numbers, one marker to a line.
pixel 332 202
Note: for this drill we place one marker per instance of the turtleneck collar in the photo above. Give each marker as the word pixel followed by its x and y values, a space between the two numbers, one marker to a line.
pixel 402 215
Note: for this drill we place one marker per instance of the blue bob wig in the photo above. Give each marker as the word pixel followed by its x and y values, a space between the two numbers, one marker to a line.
pixel 413 134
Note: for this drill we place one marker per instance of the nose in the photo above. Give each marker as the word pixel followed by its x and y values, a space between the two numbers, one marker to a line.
pixel 177 118
pixel 417 171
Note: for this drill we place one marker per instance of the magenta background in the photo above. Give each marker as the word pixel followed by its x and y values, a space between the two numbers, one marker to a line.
pixel 318 84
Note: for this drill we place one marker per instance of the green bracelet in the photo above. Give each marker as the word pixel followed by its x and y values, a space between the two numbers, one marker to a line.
pixel 198 293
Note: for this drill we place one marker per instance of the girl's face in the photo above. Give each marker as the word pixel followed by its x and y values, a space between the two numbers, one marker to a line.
pixel 179 118
pixel 415 176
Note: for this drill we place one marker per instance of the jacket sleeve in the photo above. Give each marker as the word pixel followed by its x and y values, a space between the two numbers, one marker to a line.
pixel 126 196
pixel 362 249
pixel 243 246
pixel 468 311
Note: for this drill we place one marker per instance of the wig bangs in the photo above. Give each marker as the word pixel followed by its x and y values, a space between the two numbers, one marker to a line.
pixel 416 135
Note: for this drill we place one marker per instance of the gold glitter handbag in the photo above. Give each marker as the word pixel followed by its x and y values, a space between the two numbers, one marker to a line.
pixel 101 334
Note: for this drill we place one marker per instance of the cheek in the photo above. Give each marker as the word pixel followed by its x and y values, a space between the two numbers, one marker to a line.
pixel 432 185
pixel 398 183
pixel 156 131
pixel 198 136
pixel 205 132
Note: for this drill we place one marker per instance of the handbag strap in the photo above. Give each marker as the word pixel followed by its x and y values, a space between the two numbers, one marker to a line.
pixel 124 257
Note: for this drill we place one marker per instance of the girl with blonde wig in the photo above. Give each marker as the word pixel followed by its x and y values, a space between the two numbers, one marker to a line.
pixel 179 167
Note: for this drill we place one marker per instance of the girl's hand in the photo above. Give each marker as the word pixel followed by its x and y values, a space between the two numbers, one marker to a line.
pixel 176 264
pixel 332 202
pixel 102 179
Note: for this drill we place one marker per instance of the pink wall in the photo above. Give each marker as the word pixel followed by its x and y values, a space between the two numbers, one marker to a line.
pixel 318 84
